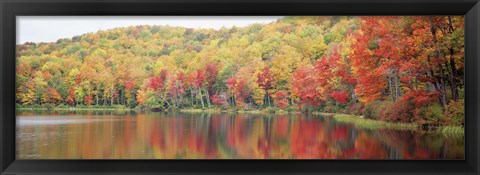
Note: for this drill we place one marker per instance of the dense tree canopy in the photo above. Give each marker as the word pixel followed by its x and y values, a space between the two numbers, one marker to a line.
pixel 313 62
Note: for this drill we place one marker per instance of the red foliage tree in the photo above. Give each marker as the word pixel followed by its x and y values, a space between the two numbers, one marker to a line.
pixel 52 96
pixel 239 88
pixel 71 96
pixel 129 85
pixel 366 60
pixel 163 75
pixel 240 93
pixel 177 86
pixel 340 96
pixel 281 99
pixel 304 85
pixel 265 79
pixel 88 100
pixel 156 83
pixel 217 100
pixel 231 82
pixel 196 78
pixel 421 97
pixel 211 72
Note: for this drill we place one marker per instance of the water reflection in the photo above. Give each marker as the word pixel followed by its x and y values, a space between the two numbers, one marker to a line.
pixel 129 135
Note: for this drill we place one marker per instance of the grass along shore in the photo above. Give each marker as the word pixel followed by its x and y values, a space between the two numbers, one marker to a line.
pixel 452 130
pixel 370 124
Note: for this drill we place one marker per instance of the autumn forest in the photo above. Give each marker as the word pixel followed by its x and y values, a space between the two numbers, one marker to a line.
pixel 403 69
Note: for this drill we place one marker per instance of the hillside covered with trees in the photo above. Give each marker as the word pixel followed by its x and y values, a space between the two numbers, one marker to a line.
pixel 397 69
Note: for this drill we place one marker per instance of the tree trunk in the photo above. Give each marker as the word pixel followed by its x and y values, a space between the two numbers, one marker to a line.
pixel 390 89
pixel 233 100
pixel 397 85
pixel 268 98
pixel 111 97
pixel 180 100
pixel 176 103
pixel 174 99
pixel 208 97
pixel 177 96
pixel 118 98
pixel 124 97
pixel 201 97
pixel 354 98
pixel 453 85
pixel 453 76
pixel 166 101
pixel 191 95
pixel 443 97
pixel 104 100
pixel 450 24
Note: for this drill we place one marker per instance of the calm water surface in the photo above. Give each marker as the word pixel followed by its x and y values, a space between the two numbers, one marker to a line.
pixel 130 135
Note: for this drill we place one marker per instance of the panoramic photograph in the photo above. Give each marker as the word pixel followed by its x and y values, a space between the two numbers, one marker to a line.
pixel 240 87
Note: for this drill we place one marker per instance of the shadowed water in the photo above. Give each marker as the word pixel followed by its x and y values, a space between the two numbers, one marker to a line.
pixel 130 135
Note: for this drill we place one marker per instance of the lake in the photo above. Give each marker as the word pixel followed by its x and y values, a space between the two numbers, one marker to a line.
pixel 134 135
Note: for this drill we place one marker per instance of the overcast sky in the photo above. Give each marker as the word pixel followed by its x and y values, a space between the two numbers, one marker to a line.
pixel 52 28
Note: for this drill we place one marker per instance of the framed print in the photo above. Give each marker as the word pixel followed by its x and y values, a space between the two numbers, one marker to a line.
pixel 239 87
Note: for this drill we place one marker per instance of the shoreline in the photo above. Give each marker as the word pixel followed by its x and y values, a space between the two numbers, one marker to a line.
pixel 357 121
pixel 371 124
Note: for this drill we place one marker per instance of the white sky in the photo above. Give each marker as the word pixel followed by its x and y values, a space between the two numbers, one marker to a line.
pixel 52 28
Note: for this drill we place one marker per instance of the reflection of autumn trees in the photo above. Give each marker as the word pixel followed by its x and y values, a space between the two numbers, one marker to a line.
pixel 419 146
pixel 368 148
pixel 211 136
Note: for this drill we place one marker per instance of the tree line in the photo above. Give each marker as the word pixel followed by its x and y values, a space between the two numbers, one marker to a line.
pixel 409 68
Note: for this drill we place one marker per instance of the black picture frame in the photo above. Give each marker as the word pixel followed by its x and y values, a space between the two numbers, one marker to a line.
pixel 9 9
